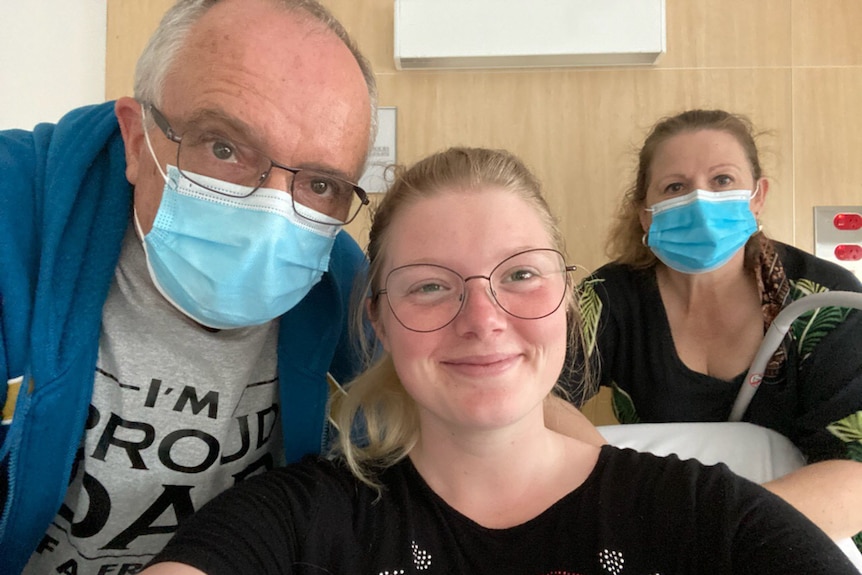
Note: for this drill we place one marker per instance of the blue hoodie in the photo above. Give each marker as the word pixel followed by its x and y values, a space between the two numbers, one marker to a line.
pixel 65 204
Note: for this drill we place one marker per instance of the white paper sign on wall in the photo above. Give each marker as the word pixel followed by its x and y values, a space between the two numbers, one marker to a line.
pixel 376 177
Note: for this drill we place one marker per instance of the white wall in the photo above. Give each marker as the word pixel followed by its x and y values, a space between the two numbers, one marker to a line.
pixel 52 58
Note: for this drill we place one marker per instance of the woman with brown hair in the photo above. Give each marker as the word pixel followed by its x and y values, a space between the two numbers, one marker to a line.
pixel 678 316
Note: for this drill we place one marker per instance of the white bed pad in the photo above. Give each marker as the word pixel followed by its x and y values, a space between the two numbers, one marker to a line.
pixel 754 452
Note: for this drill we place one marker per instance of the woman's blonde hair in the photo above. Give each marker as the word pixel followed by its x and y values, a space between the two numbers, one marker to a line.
pixel 383 418
pixel 625 241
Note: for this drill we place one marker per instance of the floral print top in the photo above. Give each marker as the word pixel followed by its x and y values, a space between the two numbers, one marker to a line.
pixel 814 397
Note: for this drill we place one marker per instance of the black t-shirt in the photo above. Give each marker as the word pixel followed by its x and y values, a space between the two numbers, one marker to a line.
pixel 636 514
pixel 818 388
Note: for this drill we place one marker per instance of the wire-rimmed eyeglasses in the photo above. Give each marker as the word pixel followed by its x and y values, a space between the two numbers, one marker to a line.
pixel 207 153
pixel 528 285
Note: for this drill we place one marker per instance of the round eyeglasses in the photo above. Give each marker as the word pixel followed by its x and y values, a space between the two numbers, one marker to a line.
pixel 528 285
pixel 209 153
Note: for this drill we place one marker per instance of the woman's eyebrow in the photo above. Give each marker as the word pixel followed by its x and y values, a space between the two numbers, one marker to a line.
pixel 675 177
pixel 724 166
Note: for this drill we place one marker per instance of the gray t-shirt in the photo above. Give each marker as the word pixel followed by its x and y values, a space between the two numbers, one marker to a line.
pixel 178 414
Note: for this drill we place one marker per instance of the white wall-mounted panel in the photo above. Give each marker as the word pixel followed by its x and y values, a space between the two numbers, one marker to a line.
pixel 527 33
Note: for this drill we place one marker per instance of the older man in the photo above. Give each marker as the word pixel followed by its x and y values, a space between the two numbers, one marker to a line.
pixel 175 281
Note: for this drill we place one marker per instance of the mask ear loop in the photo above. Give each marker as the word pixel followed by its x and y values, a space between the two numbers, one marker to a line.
pixel 753 195
pixel 149 144
pixel 138 229
pixel 644 237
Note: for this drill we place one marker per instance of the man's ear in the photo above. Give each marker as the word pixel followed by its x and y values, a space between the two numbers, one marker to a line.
pixel 374 317
pixel 128 112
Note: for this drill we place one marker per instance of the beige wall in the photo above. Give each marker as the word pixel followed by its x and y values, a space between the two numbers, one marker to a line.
pixel 793 66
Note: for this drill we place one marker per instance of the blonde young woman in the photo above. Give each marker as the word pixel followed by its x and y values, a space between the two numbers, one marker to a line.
pixel 681 311
pixel 456 472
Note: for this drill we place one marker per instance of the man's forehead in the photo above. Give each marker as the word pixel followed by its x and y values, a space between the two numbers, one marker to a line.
pixel 291 87
pixel 264 25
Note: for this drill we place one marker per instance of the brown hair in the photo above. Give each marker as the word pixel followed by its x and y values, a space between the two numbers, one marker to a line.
pixel 625 241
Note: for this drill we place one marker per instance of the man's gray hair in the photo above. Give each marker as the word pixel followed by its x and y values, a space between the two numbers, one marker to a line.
pixel 168 39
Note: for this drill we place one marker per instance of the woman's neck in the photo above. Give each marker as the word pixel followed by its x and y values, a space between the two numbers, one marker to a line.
pixel 715 319
pixel 502 478
pixel 714 288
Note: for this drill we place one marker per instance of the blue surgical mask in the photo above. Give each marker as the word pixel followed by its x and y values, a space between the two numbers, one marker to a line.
pixel 700 231
pixel 228 261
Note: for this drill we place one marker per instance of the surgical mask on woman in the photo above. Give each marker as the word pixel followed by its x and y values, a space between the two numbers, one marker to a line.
pixel 227 261
pixel 700 231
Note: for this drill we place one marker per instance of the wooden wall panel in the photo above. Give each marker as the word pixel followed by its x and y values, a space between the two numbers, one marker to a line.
pixel 580 130
pixel 130 23
pixel 370 23
pixel 793 66
pixel 826 32
pixel 727 33
pixel 827 143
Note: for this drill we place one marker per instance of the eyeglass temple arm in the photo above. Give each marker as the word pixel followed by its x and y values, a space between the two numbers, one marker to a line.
pixel 162 123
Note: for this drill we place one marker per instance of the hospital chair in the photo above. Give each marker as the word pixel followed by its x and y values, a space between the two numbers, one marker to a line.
pixel 749 450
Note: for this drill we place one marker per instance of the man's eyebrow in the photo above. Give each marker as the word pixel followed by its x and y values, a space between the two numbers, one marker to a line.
pixel 255 140
pixel 327 170
pixel 209 115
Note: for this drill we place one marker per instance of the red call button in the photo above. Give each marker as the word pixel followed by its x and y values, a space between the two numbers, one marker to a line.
pixel 847 221
pixel 848 252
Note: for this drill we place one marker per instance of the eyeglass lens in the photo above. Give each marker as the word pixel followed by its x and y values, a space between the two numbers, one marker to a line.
pixel 527 285
pixel 204 156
